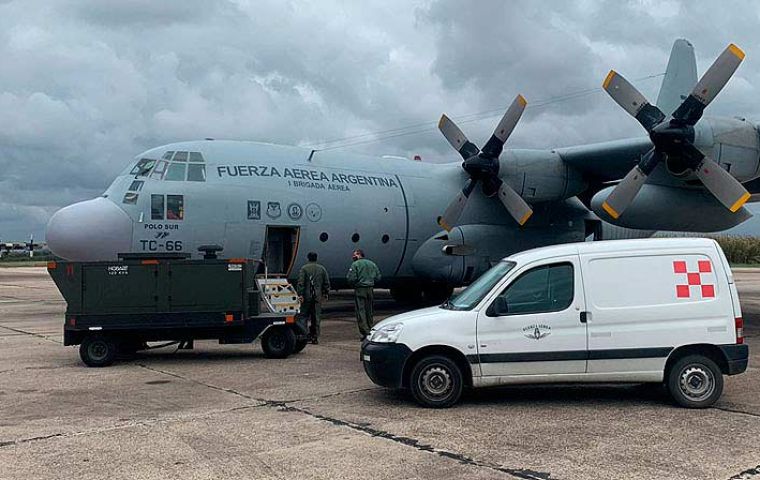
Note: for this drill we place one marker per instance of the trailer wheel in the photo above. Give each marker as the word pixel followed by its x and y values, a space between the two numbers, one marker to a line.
pixel 300 345
pixel 278 342
pixel 97 350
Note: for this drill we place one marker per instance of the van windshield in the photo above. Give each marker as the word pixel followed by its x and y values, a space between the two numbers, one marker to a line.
pixel 472 295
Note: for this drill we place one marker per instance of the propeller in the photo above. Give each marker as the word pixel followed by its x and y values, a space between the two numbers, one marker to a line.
pixel 483 167
pixel 675 136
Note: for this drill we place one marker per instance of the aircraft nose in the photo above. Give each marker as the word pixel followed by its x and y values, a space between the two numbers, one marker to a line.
pixel 91 230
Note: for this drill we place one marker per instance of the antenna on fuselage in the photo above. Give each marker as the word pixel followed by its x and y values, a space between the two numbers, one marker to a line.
pixel 311 155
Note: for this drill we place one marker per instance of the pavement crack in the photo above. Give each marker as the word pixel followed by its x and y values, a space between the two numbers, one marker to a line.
pixel 286 406
pixel 134 423
pixel 523 473
pixel 44 337
pixel 753 472
pixel 738 412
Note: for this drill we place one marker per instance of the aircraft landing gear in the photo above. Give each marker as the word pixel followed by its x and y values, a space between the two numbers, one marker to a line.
pixel 420 296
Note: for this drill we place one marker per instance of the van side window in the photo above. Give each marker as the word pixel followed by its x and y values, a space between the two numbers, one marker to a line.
pixel 548 288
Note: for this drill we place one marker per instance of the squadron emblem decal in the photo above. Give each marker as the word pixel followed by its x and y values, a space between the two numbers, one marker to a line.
pixel 537 331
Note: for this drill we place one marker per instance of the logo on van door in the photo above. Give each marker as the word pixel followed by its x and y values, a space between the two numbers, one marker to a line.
pixel 537 331
pixel 696 279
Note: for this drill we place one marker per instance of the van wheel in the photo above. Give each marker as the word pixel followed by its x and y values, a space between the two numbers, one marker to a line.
pixel 278 342
pixel 97 351
pixel 436 382
pixel 695 382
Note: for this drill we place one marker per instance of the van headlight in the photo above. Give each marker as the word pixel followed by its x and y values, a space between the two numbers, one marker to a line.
pixel 387 333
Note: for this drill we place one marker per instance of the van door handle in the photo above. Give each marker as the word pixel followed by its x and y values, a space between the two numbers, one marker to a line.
pixel 584 317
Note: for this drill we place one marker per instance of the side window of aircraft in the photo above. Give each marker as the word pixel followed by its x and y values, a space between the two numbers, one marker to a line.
pixel 130 198
pixel 176 171
pixel 175 207
pixel 136 185
pixel 180 157
pixel 156 207
pixel 158 172
pixel 143 167
pixel 196 172
pixel 548 288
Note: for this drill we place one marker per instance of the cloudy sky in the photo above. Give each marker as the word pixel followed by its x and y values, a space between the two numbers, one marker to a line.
pixel 85 85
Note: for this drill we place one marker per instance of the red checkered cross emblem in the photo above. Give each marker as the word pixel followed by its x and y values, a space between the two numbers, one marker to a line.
pixel 693 279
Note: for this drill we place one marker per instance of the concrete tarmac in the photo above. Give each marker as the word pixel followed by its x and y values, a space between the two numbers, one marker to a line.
pixel 226 412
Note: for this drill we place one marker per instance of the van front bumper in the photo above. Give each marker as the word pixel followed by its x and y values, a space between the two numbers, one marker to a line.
pixel 737 357
pixel 384 362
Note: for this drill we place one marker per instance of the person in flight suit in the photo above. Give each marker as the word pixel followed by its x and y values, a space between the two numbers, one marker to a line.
pixel 313 288
pixel 363 275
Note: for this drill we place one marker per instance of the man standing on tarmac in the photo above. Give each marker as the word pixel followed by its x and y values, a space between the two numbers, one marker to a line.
pixel 363 275
pixel 313 288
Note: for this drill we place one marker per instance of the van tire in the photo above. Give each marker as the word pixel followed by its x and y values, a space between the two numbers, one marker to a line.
pixel 695 381
pixel 98 351
pixel 278 342
pixel 436 382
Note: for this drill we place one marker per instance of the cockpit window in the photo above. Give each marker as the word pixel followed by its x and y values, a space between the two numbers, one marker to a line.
pixel 156 207
pixel 130 198
pixel 175 207
pixel 158 172
pixel 180 157
pixel 142 168
pixel 196 173
pixel 136 185
pixel 176 172
pixel 168 155
pixel 196 157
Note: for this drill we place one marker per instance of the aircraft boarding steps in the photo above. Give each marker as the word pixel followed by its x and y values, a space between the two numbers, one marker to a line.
pixel 278 294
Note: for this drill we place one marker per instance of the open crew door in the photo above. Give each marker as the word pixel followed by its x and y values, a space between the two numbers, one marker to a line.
pixel 280 249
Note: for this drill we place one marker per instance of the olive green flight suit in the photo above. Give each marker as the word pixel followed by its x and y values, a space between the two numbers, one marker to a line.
pixel 363 275
pixel 313 286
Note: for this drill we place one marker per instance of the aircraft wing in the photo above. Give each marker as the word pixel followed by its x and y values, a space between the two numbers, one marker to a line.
pixel 608 161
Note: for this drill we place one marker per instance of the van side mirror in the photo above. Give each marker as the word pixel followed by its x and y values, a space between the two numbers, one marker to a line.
pixel 499 307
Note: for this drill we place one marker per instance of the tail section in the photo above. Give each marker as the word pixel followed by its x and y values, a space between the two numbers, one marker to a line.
pixel 680 77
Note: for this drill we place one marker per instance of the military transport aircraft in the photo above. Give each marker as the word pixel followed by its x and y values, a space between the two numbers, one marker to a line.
pixel 278 202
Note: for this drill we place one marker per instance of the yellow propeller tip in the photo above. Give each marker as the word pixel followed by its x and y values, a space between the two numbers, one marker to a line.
pixel 739 203
pixel 611 211
pixel 445 225
pixel 736 51
pixel 442 120
pixel 521 100
pixel 608 79
pixel 525 217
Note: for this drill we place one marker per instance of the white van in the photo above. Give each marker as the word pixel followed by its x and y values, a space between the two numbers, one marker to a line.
pixel 655 310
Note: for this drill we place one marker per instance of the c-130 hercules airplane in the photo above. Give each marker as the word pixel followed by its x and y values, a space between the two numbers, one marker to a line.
pixel 277 202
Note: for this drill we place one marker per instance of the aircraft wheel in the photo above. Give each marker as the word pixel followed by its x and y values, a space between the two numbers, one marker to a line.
pixel 407 295
pixel 98 351
pixel 436 294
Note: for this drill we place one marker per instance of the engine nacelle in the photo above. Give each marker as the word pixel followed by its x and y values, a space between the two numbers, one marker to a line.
pixel 732 142
pixel 659 207
pixel 540 176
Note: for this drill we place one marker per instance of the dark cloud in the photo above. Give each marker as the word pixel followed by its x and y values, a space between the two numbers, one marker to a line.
pixel 88 84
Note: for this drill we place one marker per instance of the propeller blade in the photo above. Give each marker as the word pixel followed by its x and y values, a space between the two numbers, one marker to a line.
pixel 450 217
pixel 625 191
pixel 515 205
pixel 722 184
pixel 711 83
pixel 505 127
pixel 456 138
pixel 632 101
